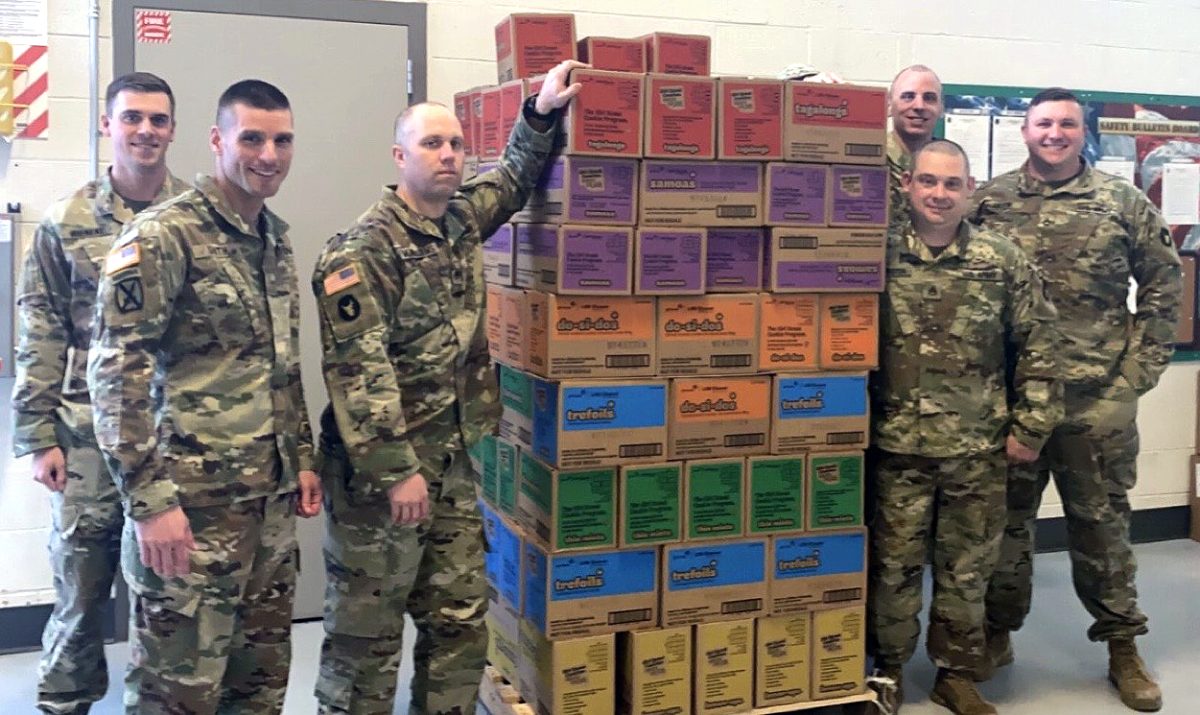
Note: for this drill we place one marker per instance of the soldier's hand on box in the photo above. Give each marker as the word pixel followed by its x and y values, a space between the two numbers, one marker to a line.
pixel 1018 453
pixel 409 500
pixel 165 542
pixel 309 503
pixel 555 92
pixel 50 468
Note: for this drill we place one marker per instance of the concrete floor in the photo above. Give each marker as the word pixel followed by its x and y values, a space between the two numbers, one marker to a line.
pixel 1057 670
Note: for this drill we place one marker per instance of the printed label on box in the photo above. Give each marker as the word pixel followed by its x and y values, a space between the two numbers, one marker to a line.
pixel 733 259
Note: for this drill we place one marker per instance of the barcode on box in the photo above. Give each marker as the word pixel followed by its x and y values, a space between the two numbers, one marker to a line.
pixel 745 440
pixel 844 438
pixel 864 150
pixel 627 361
pixel 805 242
pixel 729 361
pixel 637 615
pixel 842 594
pixel 641 450
pixel 743 606
pixel 737 211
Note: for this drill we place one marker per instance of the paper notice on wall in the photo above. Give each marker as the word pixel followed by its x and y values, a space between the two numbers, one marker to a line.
pixel 973 132
pixel 1117 166
pixel 1008 146
pixel 23 22
pixel 1181 193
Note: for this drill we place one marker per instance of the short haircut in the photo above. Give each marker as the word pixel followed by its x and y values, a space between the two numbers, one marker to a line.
pixel 1054 94
pixel 401 124
pixel 911 68
pixel 947 148
pixel 252 93
pixel 140 82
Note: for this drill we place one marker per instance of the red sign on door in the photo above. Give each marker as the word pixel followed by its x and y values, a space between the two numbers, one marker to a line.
pixel 153 26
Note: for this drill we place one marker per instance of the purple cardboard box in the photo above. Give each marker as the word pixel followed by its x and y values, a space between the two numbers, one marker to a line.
pixel 586 190
pixel 701 193
pixel 858 196
pixel 796 194
pixel 498 256
pixel 670 261
pixel 826 260
pixel 574 260
pixel 734 260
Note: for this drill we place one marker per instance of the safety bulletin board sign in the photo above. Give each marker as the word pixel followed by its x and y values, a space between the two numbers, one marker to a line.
pixel 1153 141
pixel 24 70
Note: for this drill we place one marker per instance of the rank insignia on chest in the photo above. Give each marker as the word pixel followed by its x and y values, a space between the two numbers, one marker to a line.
pixel 122 258
pixel 341 280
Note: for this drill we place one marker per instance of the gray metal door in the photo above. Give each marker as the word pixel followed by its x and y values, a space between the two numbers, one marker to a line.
pixel 344 66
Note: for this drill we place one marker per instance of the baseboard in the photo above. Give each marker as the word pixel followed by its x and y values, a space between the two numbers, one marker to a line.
pixel 21 626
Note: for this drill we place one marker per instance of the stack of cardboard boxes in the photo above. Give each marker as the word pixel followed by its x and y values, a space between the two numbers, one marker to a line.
pixel 682 318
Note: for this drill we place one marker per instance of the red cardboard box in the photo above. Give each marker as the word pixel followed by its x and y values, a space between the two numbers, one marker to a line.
pixel 512 96
pixel 749 119
pixel 489 129
pixel 475 106
pixel 680 117
pixel 532 43
pixel 462 110
pixel 605 118
pixel 619 54
pixel 677 54
pixel 835 123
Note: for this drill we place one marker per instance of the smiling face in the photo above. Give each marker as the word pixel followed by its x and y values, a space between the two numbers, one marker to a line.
pixel 141 127
pixel 429 153
pixel 915 104
pixel 1054 133
pixel 253 149
pixel 939 188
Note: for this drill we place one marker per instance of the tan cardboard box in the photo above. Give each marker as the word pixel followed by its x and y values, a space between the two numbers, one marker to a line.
pixel 836 483
pixel 669 261
pixel 724 668
pixel 819 412
pixel 700 193
pixel 826 260
pixel 858 196
pixel 796 194
pixel 835 123
pixel 590 190
pixel 529 44
pixel 586 336
pixel 489 131
pixel 585 423
pixel 503 627
pixel 849 331
pixel 463 111
pixel 618 54
pixel 673 53
pixel 574 260
pixel 782 660
pixel 494 322
pixel 749 118
pixel 514 315
pixel 499 252
pixel 569 676
pixel 713 581
pixel 775 497
pixel 811 571
pixel 719 416
pixel 605 119
pixel 582 593
pixel 680 116
pixel 569 509
pixel 708 334
pixel 516 401
pixel 788 332
pixel 656 671
pixel 714 498
pixel 651 504
pixel 839 652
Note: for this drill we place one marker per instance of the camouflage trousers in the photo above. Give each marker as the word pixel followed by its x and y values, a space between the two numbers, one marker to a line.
pixel 957 504
pixel 1092 457
pixel 85 546
pixel 219 639
pixel 378 571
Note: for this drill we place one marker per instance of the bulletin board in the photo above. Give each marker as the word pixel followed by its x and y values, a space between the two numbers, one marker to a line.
pixel 1153 140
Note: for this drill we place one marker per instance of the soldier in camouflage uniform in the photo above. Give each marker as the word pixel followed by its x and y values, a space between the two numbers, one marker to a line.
pixel 401 297
pixel 52 415
pixel 963 309
pixel 195 380
pixel 1089 233
pixel 915 106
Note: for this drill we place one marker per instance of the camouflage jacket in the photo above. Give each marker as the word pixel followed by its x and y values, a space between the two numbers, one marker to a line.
pixel 402 304
pixel 898 162
pixel 56 296
pixel 955 330
pixel 194 367
pixel 1089 237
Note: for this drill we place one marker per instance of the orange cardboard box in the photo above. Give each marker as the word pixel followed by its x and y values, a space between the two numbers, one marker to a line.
pixel 494 324
pixel 749 119
pixel 719 416
pixel 532 43
pixel 515 320
pixel 589 336
pixel 619 54
pixel 788 330
pixel 605 119
pixel 835 123
pixel 708 334
pixel 680 117
pixel 671 53
pixel 849 331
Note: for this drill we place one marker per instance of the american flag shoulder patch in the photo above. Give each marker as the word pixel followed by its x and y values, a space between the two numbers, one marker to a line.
pixel 341 279
pixel 123 257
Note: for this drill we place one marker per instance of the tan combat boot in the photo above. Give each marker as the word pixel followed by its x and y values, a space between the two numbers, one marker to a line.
pixel 958 694
pixel 997 653
pixel 1129 674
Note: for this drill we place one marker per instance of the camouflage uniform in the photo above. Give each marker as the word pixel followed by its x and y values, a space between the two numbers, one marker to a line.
pixel 954 326
pixel 410 390
pixel 1088 237
pixel 898 162
pixel 195 378
pixel 55 301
